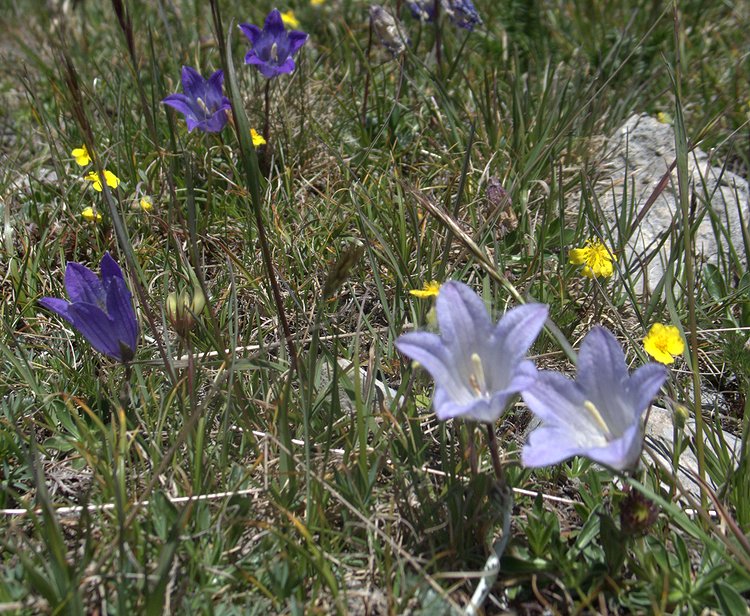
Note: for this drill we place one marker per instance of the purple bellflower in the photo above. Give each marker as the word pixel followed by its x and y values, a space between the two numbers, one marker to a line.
pixel 273 46
pixel 423 10
pixel 462 13
pixel 478 366
pixel 203 102
pixel 100 309
pixel 599 414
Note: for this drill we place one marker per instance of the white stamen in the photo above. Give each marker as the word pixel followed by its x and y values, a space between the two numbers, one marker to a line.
pixel 594 412
pixel 476 379
pixel 202 105
pixel 275 52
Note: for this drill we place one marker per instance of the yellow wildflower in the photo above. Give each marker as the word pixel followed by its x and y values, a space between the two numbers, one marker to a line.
pixel 90 214
pixel 317 2
pixel 258 139
pixel 289 19
pixel 595 258
pixel 430 289
pixel 81 155
pixel 663 343
pixel 112 180
pixel 146 203
pixel 664 117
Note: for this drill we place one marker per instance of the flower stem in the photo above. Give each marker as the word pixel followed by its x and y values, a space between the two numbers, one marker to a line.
pixel 495 454
pixel 267 110
pixel 366 94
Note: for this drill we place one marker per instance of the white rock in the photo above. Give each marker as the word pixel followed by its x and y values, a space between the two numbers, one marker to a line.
pixel 640 153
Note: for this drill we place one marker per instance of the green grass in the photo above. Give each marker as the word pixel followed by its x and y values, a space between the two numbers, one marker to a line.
pixel 217 479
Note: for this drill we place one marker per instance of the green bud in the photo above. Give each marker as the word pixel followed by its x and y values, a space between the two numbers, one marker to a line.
pixel 681 415
pixel 182 309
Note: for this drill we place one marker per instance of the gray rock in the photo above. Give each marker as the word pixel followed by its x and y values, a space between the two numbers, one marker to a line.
pixel 660 435
pixel 639 155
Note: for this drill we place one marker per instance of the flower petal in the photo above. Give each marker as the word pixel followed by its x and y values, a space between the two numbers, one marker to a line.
pixel 559 402
pixel 296 40
pixel 193 83
pixel 109 268
pixel 214 96
pixel 274 24
pixel 181 103
pixel 98 329
pixel 429 350
pixel 644 385
pixel 549 445
pixel 121 313
pixel 251 31
pixel 83 285
pixel 622 453
pixel 58 306
pixel 511 340
pixel 463 319
pixel 601 366
pixel 477 409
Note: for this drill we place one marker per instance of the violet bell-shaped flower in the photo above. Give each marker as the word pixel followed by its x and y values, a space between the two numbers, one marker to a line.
pixel 423 10
pixel 462 13
pixel 273 47
pixel 478 366
pixel 599 414
pixel 99 308
pixel 203 102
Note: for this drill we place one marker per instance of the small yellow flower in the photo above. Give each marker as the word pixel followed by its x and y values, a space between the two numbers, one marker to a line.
pixel 664 117
pixel 595 258
pixel 112 180
pixel 81 155
pixel 317 2
pixel 90 214
pixel 663 343
pixel 258 139
pixel 430 289
pixel 146 203
pixel 289 19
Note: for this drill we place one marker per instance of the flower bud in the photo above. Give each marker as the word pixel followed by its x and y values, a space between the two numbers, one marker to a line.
pixel 182 309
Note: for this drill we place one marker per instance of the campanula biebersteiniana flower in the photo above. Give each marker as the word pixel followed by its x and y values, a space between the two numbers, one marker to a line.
pixel 273 47
pixel 599 414
pixel 203 102
pixel 99 308
pixel 478 366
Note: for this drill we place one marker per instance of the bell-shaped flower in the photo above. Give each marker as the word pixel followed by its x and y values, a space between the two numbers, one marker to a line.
pixel 203 102
pixel 273 46
pixel 599 414
pixel 99 308
pixel 462 13
pixel 478 366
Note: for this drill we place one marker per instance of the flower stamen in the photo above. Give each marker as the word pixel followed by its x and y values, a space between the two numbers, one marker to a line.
pixel 476 379
pixel 202 105
pixel 274 53
pixel 594 412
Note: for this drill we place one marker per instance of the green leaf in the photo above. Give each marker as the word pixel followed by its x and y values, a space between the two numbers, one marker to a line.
pixel 730 600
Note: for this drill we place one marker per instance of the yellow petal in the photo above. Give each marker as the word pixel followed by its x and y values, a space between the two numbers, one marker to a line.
pixel 663 343
pixel 146 203
pixel 258 139
pixel 90 214
pixel 81 155
pixel 289 19
pixel 430 289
